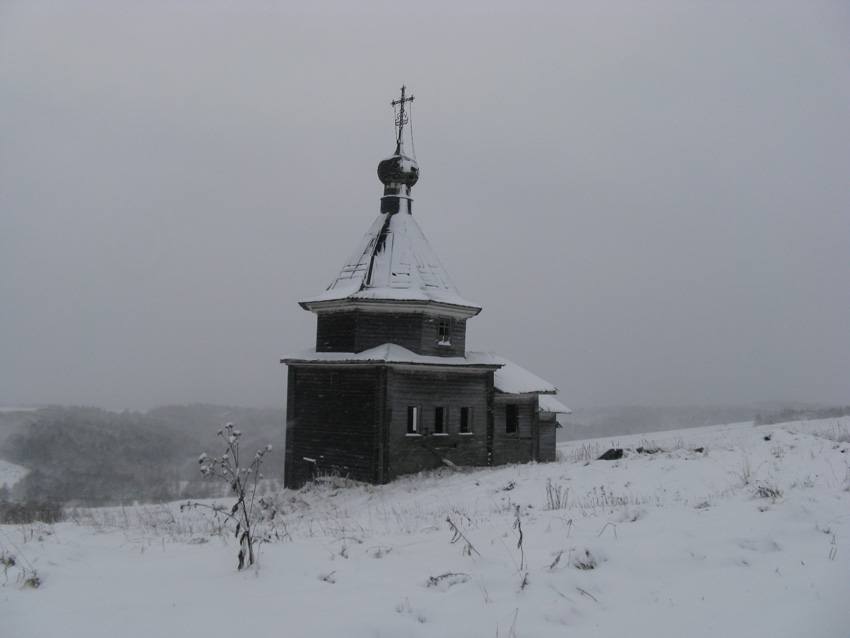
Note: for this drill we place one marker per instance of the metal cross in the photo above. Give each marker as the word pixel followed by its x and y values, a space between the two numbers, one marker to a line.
pixel 402 118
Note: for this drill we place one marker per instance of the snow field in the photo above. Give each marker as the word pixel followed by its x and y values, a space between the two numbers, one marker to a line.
pixel 11 473
pixel 750 536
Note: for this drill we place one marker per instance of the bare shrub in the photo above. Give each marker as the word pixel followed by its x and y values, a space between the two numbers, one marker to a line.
pixel 745 473
pixel 838 433
pixel 17 566
pixel 243 481
pixel 518 528
pixel 457 535
pixel 556 496
pixel 766 490
pixel 585 454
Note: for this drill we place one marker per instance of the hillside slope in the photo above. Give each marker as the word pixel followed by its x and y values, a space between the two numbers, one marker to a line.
pixel 722 531
pixel 91 456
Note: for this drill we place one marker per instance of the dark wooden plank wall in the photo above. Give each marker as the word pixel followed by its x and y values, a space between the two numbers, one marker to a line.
pixel 517 447
pixel 334 415
pixel 431 333
pixel 335 332
pixel 428 389
pixel 331 417
pixel 359 331
pixel 547 441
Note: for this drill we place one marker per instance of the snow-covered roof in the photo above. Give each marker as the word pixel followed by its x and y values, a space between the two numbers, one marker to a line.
pixel 394 262
pixel 508 378
pixel 392 353
pixel 548 403
pixel 514 379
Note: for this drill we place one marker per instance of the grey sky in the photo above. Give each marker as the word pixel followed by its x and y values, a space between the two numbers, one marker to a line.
pixel 650 200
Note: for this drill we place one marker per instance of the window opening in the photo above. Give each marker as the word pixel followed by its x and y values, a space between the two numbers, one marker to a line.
pixel 440 420
pixel 413 419
pixel 444 332
pixel 465 421
pixel 511 418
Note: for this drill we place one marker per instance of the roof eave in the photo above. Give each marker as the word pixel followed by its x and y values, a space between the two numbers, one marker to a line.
pixel 457 311
pixel 391 364
pixel 391 354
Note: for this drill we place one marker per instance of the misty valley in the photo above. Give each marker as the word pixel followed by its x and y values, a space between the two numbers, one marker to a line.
pixel 89 456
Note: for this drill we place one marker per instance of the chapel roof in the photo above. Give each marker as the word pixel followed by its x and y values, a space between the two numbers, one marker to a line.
pixel 393 262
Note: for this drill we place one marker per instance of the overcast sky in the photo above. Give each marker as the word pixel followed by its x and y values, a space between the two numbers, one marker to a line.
pixel 651 201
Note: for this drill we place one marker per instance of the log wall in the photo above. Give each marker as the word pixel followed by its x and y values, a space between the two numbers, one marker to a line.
pixel 357 331
pixel 333 417
pixel 429 389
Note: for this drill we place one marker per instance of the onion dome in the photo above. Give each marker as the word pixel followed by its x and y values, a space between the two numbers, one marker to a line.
pixel 398 174
pixel 398 170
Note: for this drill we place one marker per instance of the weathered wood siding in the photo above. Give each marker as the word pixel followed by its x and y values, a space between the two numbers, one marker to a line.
pixel 547 441
pixel 515 447
pixel 358 331
pixel 335 332
pixel 429 389
pixel 352 420
pixel 333 417
pixel 430 337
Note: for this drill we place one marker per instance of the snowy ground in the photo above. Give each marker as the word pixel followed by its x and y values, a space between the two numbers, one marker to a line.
pixel 724 531
pixel 11 473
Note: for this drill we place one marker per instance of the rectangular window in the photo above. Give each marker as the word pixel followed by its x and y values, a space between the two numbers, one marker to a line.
pixel 465 421
pixel 511 418
pixel 413 419
pixel 444 332
pixel 440 421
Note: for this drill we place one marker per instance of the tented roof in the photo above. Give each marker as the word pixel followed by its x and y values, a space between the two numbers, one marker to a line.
pixel 394 262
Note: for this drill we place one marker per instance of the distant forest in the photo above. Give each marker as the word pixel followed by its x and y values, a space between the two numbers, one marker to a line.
pixel 89 456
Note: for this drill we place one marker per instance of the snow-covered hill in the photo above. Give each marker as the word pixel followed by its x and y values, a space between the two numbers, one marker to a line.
pixel 723 531
pixel 10 473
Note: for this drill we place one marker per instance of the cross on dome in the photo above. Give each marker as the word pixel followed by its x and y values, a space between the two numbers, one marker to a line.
pixel 399 172
pixel 402 118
